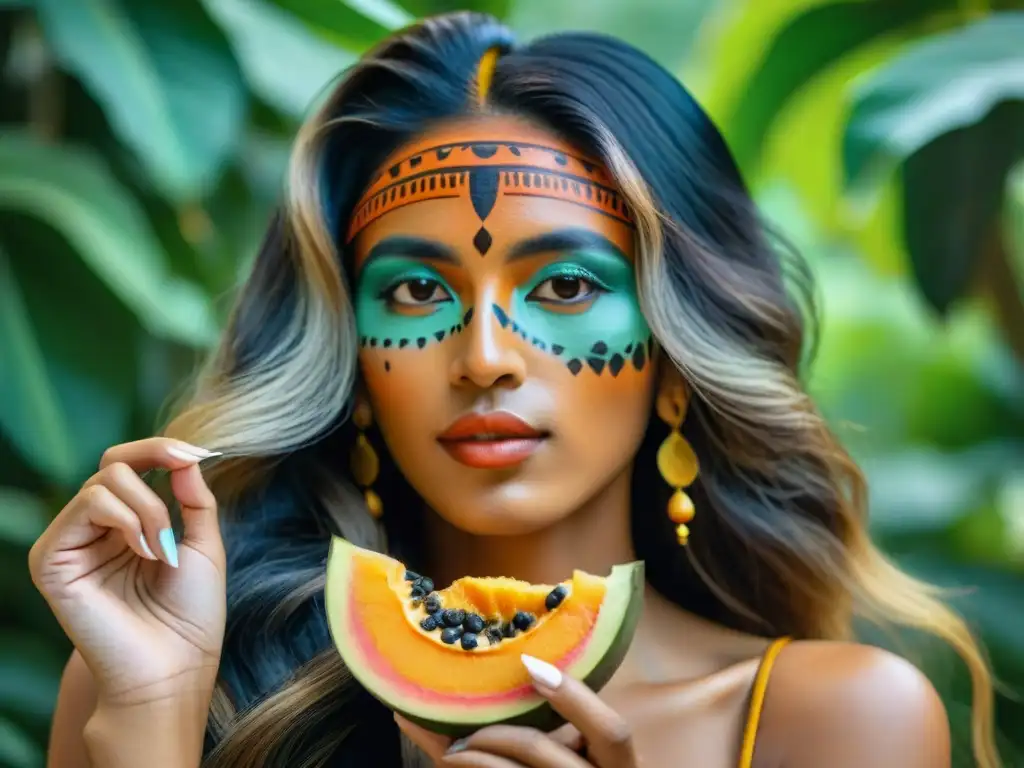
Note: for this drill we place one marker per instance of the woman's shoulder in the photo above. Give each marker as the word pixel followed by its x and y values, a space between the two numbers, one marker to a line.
pixel 852 702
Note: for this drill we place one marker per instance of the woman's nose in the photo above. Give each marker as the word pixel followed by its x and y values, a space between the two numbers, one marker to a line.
pixel 490 354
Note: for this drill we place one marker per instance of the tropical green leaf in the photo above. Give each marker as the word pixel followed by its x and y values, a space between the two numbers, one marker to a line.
pixel 22 516
pixel 302 64
pixel 1014 217
pixel 953 191
pixel 91 340
pixel 29 675
pixel 804 48
pixel 664 31
pixel 30 412
pixel 354 24
pixel 17 750
pixel 497 8
pixel 946 82
pixel 72 192
pixel 165 77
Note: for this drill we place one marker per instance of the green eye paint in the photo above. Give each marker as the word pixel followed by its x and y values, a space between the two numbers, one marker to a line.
pixel 608 334
pixel 379 324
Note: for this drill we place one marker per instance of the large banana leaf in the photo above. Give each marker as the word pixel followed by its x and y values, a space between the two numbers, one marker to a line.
pixel 17 749
pixel 301 63
pixel 72 192
pixel 23 519
pixel 951 111
pixel 353 24
pixel 165 77
pixel 806 38
pixel 30 413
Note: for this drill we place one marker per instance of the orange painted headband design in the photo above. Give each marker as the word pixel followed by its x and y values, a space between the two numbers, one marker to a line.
pixel 482 170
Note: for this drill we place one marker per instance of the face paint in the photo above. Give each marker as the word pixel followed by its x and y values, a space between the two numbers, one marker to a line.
pixel 606 331
pixel 403 302
pixel 494 270
pixel 483 170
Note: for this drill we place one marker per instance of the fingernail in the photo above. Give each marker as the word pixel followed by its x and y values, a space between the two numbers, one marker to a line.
pixel 542 672
pixel 169 547
pixel 145 546
pixel 457 746
pixel 195 450
pixel 181 455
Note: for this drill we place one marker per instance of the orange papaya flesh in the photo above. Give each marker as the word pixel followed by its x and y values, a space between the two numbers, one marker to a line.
pixel 376 624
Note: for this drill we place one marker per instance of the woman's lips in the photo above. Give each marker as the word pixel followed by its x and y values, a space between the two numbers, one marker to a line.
pixel 491 440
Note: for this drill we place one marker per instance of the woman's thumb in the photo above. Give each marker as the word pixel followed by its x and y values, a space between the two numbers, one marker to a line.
pixel 198 511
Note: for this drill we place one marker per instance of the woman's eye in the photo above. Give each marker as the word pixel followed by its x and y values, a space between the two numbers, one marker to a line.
pixel 566 288
pixel 418 291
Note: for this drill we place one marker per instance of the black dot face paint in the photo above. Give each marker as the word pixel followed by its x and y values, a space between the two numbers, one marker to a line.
pixel 598 358
pixel 418 342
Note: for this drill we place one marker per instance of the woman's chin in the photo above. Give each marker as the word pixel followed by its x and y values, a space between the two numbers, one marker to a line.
pixel 510 509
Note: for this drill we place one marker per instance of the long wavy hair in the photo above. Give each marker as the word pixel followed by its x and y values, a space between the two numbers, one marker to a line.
pixel 779 546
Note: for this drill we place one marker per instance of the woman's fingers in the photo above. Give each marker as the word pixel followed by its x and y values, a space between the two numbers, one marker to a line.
pixel 154 452
pixel 198 512
pixel 121 480
pixel 96 527
pixel 523 746
pixel 433 744
pixel 197 502
pixel 481 760
pixel 608 737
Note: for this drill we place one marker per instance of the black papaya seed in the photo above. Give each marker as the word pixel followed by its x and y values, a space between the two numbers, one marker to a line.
pixel 474 624
pixel 426 584
pixel 494 635
pixel 429 624
pixel 411 576
pixel 555 597
pixel 451 634
pixel 453 617
pixel 432 603
pixel 508 630
pixel 469 641
pixel 522 620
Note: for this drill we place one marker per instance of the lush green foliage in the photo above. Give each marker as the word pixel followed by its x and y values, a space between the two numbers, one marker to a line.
pixel 143 144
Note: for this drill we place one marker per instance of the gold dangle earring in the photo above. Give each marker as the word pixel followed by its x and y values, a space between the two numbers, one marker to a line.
pixel 677 464
pixel 364 461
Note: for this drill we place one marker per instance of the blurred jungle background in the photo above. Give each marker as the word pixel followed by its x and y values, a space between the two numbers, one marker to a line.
pixel 142 145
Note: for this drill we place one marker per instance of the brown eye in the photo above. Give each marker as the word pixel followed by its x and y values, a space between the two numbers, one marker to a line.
pixel 564 289
pixel 419 291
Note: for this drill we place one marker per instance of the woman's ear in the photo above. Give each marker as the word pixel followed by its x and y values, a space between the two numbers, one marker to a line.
pixel 673 394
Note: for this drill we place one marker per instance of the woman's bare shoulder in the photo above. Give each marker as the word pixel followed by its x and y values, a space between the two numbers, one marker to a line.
pixel 75 704
pixel 846 704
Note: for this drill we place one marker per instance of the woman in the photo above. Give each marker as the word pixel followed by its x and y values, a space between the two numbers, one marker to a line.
pixel 516 271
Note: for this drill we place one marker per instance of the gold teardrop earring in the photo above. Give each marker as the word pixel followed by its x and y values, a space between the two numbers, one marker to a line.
pixel 677 463
pixel 364 461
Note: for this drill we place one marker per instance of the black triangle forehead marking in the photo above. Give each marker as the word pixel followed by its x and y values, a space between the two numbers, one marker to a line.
pixel 483 190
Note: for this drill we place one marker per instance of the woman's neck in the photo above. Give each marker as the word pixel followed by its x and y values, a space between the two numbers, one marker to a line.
pixel 593 538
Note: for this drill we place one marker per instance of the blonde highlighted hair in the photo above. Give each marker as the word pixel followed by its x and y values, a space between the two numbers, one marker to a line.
pixel 781 544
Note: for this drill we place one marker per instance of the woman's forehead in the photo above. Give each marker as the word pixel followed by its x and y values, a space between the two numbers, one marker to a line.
pixel 480 161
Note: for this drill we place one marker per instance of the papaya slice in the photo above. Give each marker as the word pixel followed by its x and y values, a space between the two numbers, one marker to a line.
pixel 449 659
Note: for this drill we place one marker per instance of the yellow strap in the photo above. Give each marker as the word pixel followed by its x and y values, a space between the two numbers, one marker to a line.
pixel 757 701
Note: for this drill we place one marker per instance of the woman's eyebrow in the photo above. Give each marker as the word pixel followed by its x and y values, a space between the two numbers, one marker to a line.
pixel 564 240
pixel 411 247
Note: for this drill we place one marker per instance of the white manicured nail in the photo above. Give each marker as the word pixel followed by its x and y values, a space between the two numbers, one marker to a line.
pixel 169 547
pixel 542 672
pixel 194 450
pixel 145 546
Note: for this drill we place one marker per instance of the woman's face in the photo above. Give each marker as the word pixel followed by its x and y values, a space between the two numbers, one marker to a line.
pixel 502 346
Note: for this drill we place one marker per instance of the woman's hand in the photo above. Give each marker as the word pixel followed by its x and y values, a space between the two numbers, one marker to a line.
pixel 149 627
pixel 593 729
